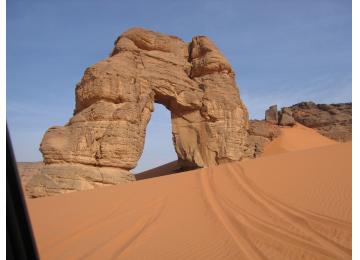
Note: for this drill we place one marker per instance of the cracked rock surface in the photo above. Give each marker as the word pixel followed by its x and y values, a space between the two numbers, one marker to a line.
pixel 64 178
pixel 115 98
pixel 261 132
pixel 331 120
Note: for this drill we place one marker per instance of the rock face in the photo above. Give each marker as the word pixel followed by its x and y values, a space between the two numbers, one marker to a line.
pixel 283 117
pixel 286 117
pixel 261 133
pixel 331 120
pixel 28 169
pixel 39 180
pixel 271 115
pixel 58 178
pixel 115 98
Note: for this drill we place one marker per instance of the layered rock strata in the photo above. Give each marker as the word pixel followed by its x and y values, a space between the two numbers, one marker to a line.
pixel 27 170
pixel 286 117
pixel 261 132
pixel 271 114
pixel 331 120
pixel 115 98
pixel 114 102
pixel 64 178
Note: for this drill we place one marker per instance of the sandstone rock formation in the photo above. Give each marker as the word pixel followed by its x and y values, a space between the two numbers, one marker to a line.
pixel 271 115
pixel 264 129
pixel 283 117
pixel 63 178
pixel 39 180
pixel 27 170
pixel 331 120
pixel 261 133
pixel 286 117
pixel 115 98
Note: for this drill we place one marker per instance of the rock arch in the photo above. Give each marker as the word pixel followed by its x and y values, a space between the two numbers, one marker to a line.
pixel 115 98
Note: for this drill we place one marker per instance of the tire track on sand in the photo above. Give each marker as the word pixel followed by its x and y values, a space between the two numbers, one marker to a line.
pixel 268 229
pixel 295 217
pixel 245 246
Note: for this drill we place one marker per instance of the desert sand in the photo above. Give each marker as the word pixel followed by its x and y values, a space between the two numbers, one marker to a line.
pixel 294 202
pixel 296 138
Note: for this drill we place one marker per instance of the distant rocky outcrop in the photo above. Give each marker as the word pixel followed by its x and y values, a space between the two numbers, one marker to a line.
pixel 283 117
pixel 114 102
pixel 271 115
pixel 286 117
pixel 28 169
pixel 331 120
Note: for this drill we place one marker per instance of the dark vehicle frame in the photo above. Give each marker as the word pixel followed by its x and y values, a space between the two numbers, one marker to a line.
pixel 20 242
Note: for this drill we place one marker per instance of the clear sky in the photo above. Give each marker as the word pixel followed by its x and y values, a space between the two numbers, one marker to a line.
pixel 283 52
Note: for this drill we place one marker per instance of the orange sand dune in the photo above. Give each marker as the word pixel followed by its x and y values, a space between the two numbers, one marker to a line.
pixel 294 205
pixel 296 138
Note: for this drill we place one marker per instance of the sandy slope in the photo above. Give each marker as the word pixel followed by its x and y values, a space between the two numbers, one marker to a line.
pixel 296 138
pixel 294 205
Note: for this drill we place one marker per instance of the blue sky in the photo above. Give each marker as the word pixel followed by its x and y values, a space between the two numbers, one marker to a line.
pixel 283 52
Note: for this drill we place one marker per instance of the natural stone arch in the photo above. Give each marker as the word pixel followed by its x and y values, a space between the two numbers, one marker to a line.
pixel 115 98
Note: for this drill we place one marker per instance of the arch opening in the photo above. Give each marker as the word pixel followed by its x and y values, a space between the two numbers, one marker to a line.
pixel 159 147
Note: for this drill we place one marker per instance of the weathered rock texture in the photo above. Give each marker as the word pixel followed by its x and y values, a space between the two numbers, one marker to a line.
pixel 115 98
pixel 261 133
pixel 27 170
pixel 63 178
pixel 271 115
pixel 331 120
pixel 286 117
pixel 39 180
